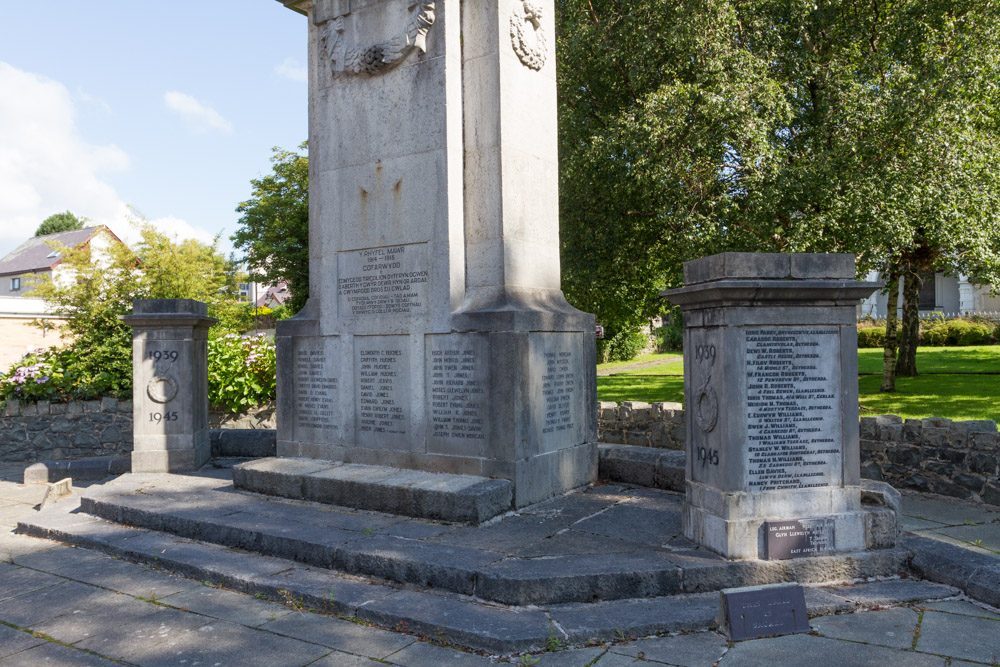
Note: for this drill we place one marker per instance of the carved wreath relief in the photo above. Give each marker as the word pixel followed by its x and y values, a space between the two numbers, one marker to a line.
pixel 528 42
pixel 380 57
pixel 707 402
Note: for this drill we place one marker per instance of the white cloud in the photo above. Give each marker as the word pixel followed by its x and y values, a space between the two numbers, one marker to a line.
pixel 45 165
pixel 292 69
pixel 201 117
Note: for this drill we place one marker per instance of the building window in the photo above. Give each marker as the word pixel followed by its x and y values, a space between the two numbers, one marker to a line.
pixel 15 284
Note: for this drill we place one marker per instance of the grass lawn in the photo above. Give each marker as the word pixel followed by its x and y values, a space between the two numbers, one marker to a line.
pixel 955 382
pixel 641 359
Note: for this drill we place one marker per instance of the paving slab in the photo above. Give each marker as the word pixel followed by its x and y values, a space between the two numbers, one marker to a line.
pixel 894 628
pixel 821 601
pixel 636 523
pixel 339 634
pixel 17 582
pixel 624 618
pixel 14 641
pixel 951 513
pixel 133 638
pixel 63 598
pixel 913 523
pixel 423 654
pixel 58 557
pixel 338 659
pixel 122 576
pixel 321 589
pixel 226 644
pixel 808 651
pixel 984 536
pixel 227 605
pixel 962 607
pixel 569 658
pixel 938 536
pixel 892 592
pixel 965 637
pixel 696 649
pixel 55 655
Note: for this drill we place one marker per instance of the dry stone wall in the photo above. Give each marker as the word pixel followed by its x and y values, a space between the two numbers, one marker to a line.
pixel 953 458
pixel 31 432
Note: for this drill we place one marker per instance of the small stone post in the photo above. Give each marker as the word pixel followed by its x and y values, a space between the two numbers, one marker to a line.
pixel 170 378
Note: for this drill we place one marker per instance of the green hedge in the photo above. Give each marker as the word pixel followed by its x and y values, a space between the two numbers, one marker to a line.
pixel 957 332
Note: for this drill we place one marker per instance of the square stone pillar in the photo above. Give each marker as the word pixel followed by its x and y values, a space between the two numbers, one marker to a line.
pixel 771 396
pixel 170 384
pixel 437 336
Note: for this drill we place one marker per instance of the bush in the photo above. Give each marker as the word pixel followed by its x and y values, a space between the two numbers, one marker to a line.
pixel 670 337
pixel 956 332
pixel 871 336
pixel 622 346
pixel 241 371
pixel 67 373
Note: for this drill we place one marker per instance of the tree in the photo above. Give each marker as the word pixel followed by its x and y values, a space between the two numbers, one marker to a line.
pixel 59 222
pixel 95 290
pixel 275 225
pixel 775 125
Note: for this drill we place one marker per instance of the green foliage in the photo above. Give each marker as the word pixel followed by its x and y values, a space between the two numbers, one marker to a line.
pixel 956 332
pixel 624 345
pixel 101 287
pixel 241 371
pixel 871 336
pixel 670 337
pixel 274 230
pixel 59 222
pixel 773 125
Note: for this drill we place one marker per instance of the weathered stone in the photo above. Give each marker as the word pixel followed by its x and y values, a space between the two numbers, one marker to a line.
pixel 111 435
pixel 912 430
pixel 882 528
pixel 109 404
pixel 91 406
pixel 991 494
pixel 984 440
pixel 971 482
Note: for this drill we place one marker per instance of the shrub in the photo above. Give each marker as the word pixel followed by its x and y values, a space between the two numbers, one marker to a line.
pixel 68 373
pixel 622 346
pixel 871 336
pixel 241 371
pixel 956 332
pixel 670 337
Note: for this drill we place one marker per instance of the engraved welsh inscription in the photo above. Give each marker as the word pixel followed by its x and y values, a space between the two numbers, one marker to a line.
pixel 381 366
pixel 383 281
pixel 793 418
pixel 457 382
pixel 559 386
pixel 316 388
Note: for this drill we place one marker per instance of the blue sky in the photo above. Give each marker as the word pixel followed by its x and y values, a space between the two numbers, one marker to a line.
pixel 170 107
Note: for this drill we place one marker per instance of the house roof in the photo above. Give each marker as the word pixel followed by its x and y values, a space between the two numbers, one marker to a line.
pixel 35 254
pixel 278 293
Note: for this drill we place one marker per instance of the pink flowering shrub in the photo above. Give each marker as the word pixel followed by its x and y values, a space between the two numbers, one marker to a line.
pixel 39 376
pixel 241 371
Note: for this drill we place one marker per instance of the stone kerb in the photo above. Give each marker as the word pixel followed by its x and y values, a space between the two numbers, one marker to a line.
pixel 32 432
pixel 643 424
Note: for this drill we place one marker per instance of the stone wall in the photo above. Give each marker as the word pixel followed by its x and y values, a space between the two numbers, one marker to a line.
pixel 937 455
pixel 638 423
pixel 959 459
pixel 39 431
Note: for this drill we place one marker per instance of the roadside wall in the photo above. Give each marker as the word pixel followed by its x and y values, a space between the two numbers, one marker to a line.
pixel 958 459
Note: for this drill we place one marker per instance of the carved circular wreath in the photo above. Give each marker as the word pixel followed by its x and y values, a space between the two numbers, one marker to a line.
pixel 707 409
pixel 161 389
pixel 532 50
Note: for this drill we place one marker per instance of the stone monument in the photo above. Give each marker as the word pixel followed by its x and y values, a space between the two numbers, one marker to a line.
pixel 170 384
pixel 770 385
pixel 436 336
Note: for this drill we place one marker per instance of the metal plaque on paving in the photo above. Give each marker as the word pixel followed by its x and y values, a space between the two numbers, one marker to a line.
pixel 763 611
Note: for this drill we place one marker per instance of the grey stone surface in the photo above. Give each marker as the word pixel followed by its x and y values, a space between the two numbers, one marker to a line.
pixel 961 607
pixel 65 597
pixel 423 654
pixel 249 443
pixel 478 626
pixel 569 658
pixel 965 637
pixel 882 593
pixel 612 620
pixel 688 650
pixel 895 628
pixel 48 653
pixel 978 575
pixel 339 634
pixel 803 651
pixel 14 641
pixel 15 582
pixel 227 605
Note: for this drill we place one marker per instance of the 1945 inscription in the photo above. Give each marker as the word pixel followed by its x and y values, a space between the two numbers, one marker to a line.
pixel 793 417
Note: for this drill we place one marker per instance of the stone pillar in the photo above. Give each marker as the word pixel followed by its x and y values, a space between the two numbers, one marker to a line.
pixel 436 336
pixel 170 384
pixel 771 391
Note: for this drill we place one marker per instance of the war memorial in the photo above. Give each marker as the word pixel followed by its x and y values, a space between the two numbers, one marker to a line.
pixel 436 462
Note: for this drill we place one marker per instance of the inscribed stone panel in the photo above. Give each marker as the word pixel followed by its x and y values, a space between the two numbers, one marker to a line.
pixel 382 390
pixel 317 389
pixel 457 382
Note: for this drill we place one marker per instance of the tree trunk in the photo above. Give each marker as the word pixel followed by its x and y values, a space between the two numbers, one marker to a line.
pixel 891 339
pixel 906 366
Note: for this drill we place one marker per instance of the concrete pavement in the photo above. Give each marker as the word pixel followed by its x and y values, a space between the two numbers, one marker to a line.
pixel 60 605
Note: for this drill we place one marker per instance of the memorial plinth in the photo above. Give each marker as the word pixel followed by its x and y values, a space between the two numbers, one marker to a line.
pixel 770 386
pixel 170 384
pixel 436 336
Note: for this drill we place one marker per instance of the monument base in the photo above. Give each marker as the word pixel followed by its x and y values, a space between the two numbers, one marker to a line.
pixel 189 459
pixel 735 525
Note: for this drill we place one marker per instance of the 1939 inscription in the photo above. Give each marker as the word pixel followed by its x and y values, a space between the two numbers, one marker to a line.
pixel 793 417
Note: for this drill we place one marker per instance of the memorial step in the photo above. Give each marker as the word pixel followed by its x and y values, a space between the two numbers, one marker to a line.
pixel 414 493
pixel 455 619
pixel 609 545
pixel 652 467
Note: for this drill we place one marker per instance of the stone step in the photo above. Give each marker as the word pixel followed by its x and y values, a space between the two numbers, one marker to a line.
pixel 563 553
pixel 424 495
pixel 455 619
pixel 651 467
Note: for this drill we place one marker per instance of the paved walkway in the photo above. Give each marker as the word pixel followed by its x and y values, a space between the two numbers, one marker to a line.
pixel 65 606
